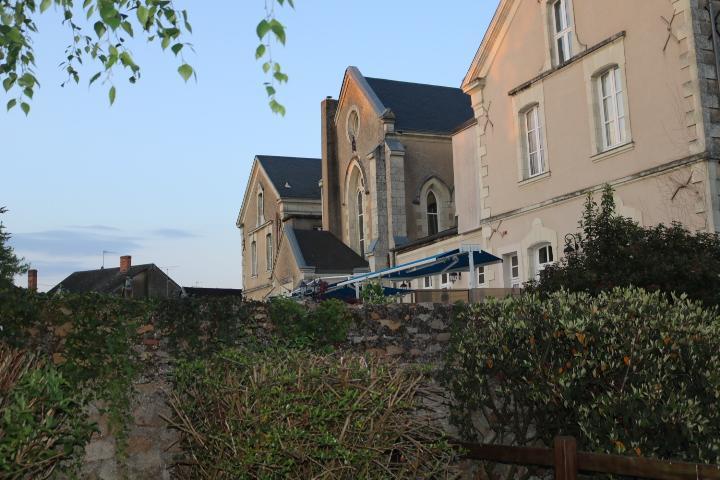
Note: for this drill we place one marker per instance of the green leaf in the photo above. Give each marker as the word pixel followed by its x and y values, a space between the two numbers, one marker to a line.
pixel 45 5
pixel 142 15
pixel 260 51
pixel 270 90
pixel 86 3
pixel 11 104
pixel 100 29
pixel 185 71
pixel 8 83
pixel 176 48
pixel 111 95
pixel 279 30
pixel 25 108
pixel 94 78
pixel 28 92
pixel 128 28
pixel 276 107
pixel 262 29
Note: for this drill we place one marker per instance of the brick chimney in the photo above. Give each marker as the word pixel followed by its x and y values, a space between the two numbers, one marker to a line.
pixel 125 263
pixel 32 280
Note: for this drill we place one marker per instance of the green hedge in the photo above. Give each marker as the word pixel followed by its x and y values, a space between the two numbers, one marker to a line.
pixel 286 413
pixel 625 372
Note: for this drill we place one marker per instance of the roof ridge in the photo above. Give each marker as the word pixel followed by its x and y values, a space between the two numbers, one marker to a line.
pixel 413 83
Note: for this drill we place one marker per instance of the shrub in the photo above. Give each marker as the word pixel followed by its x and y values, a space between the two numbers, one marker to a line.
pixel 43 426
pixel 200 327
pixel 614 251
pixel 282 413
pixel 324 325
pixel 373 293
pixel 626 372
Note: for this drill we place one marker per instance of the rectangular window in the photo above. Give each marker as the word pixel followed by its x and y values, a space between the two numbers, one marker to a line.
pixel 612 109
pixel 514 271
pixel 535 149
pixel 445 280
pixel 253 258
pixel 269 252
pixel 481 276
pixel 544 257
pixel 428 282
pixel 562 31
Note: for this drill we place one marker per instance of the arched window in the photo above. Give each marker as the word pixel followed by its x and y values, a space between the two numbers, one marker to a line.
pixel 360 222
pixel 534 142
pixel 260 208
pixel 432 214
pixel 544 256
pixel 253 259
pixel 562 30
pixel 269 251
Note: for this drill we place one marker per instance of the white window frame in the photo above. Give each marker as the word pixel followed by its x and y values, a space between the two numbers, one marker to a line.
pixel 269 251
pixel 482 276
pixel 549 258
pixel 432 216
pixel 445 281
pixel 360 207
pixel 260 207
pixel 253 259
pixel 612 108
pixel 427 282
pixel 514 270
pixel 562 32
pixel 538 166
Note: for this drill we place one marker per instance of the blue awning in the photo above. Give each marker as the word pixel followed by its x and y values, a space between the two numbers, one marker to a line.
pixel 457 260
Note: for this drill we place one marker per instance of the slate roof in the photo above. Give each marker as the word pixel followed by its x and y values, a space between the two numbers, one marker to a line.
pixel 327 253
pixel 104 280
pixel 423 108
pixel 200 292
pixel 302 175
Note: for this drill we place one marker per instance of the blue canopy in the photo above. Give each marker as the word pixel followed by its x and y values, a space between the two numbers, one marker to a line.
pixel 457 260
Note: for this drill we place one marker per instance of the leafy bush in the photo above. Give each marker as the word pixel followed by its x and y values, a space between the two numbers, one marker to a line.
pixel 614 251
pixel 282 413
pixel 43 426
pixel 90 337
pixel 200 327
pixel 625 372
pixel 326 324
pixel 373 293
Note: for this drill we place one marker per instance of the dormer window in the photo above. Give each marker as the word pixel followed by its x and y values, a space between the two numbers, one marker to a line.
pixel 562 29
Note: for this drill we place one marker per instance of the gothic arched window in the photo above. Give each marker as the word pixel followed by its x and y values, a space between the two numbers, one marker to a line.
pixel 432 214
pixel 360 222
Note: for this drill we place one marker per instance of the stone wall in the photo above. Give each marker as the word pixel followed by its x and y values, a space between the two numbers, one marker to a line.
pixel 407 333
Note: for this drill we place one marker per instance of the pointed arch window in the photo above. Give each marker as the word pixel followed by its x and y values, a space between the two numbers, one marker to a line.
pixel 360 222
pixel 253 259
pixel 432 213
pixel 260 207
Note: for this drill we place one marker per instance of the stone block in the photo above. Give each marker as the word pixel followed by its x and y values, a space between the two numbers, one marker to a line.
pixel 443 337
pixel 394 350
pixel 438 325
pixel 100 450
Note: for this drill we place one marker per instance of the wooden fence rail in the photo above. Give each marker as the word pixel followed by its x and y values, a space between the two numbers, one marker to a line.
pixel 568 462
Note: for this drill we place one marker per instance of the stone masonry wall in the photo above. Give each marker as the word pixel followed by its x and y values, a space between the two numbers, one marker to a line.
pixel 409 334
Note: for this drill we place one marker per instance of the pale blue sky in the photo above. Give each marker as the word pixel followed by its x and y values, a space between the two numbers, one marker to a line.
pixel 161 174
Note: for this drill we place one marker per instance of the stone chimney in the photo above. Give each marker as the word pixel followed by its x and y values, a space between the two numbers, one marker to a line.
pixel 125 263
pixel 32 280
pixel 330 169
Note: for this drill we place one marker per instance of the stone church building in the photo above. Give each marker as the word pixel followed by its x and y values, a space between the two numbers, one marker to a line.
pixel 387 163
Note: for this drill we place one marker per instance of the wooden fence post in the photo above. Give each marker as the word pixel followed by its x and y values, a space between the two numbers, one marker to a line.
pixel 565 453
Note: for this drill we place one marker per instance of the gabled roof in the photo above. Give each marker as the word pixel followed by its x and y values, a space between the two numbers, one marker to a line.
pixel 104 280
pixel 293 177
pixel 326 253
pixel 416 107
pixel 424 108
pixel 491 41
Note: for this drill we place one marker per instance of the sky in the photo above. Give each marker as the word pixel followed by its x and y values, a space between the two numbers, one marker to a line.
pixel 161 174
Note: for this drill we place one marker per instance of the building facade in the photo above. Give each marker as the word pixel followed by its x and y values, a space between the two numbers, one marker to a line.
pixel 570 95
pixel 387 162
pixel 280 220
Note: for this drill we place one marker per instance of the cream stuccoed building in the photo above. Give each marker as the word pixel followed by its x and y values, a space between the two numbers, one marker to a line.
pixel 569 95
